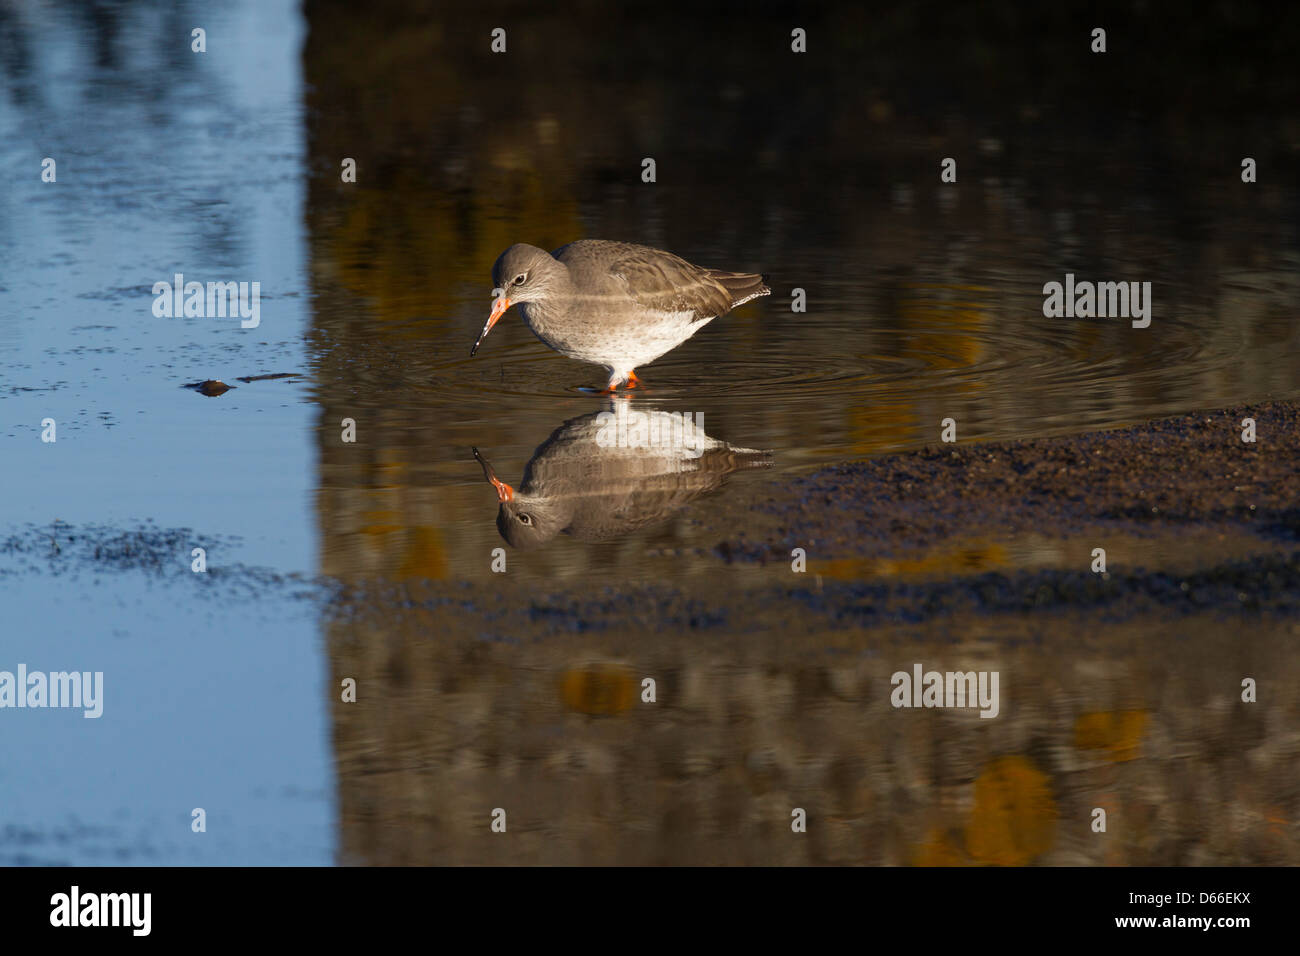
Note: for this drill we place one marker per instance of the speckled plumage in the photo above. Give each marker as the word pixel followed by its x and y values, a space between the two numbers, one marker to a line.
pixel 616 304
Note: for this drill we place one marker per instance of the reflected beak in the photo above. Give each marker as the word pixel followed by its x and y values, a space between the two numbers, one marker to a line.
pixel 504 492
pixel 498 309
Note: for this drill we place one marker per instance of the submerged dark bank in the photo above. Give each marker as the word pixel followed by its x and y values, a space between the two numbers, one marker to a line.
pixel 1187 475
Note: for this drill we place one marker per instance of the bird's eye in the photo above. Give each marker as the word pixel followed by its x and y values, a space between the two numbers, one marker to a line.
pixel 525 519
pixel 519 279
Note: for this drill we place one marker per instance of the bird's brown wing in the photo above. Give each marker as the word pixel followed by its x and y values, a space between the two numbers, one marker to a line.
pixel 662 281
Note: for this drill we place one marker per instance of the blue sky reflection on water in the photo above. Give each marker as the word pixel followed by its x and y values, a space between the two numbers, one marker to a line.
pixel 168 161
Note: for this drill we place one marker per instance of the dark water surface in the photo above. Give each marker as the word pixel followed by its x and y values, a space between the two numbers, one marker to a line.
pixel 924 302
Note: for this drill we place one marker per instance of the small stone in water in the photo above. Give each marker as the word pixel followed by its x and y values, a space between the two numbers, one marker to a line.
pixel 211 387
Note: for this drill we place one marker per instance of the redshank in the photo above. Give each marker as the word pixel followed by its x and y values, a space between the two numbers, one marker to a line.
pixel 580 485
pixel 616 304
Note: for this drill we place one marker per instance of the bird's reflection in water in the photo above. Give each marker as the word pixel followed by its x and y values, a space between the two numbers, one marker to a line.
pixel 603 475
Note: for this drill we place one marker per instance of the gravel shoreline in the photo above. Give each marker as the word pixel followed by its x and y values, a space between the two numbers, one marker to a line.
pixel 1187 474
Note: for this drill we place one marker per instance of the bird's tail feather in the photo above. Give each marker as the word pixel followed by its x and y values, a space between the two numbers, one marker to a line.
pixel 741 286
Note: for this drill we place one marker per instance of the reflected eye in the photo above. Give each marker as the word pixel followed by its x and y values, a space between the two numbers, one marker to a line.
pixel 525 519
pixel 519 279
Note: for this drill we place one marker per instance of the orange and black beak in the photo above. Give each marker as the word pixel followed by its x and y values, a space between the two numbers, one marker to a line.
pixel 498 309
pixel 504 492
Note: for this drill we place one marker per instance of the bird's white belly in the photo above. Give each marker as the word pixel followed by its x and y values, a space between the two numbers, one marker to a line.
pixel 618 345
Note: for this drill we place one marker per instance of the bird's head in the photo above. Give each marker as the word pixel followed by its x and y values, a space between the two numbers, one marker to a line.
pixel 525 521
pixel 522 273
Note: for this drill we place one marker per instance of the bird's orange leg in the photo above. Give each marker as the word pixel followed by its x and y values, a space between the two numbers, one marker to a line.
pixel 615 381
